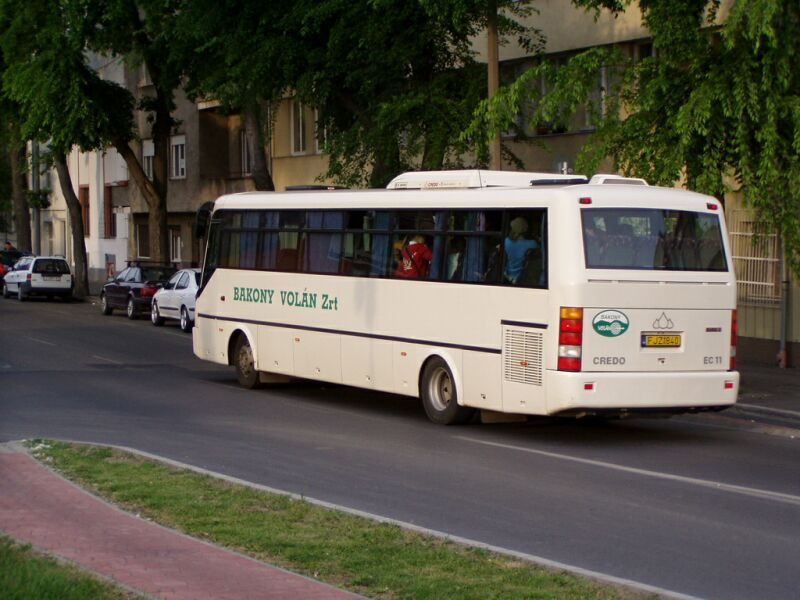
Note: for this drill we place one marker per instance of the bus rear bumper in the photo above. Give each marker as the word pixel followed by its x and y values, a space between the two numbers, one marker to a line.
pixel 588 393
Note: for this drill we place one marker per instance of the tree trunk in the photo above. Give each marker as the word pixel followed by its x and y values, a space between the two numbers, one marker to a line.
pixel 385 165
pixel 81 274
pixel 19 197
pixel 156 204
pixel 257 145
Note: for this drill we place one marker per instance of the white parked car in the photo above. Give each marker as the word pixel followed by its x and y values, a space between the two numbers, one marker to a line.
pixel 39 275
pixel 176 299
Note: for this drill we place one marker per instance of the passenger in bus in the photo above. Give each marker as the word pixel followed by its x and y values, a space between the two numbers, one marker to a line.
pixel 516 247
pixel 455 258
pixel 415 259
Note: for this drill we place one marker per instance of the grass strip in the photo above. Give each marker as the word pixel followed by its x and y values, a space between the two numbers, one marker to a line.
pixel 25 574
pixel 355 553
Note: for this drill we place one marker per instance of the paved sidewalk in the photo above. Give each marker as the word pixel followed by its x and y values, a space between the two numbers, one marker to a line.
pixel 768 393
pixel 39 507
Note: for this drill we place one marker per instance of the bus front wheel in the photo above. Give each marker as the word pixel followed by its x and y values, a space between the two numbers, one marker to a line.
pixel 439 396
pixel 245 364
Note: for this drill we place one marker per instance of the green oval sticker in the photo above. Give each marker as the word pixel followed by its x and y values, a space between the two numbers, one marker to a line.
pixel 610 323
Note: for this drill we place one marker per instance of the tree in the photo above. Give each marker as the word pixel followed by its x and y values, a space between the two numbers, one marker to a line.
pixel 13 183
pixel 718 102
pixel 233 50
pixel 144 32
pixel 391 85
pixel 61 100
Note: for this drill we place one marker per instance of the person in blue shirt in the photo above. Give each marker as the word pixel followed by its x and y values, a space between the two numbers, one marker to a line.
pixel 516 247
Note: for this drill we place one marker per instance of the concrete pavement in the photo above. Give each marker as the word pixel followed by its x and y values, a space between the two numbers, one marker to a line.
pixel 768 395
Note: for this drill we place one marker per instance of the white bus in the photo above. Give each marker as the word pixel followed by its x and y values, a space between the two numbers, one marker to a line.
pixel 564 300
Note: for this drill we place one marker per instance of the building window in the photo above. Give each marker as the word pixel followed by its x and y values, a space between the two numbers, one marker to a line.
pixel 178 157
pixel 109 218
pixel 143 240
pixel 320 133
pixel 83 198
pixel 144 76
pixel 298 128
pixel 148 152
pixel 247 163
pixel 175 244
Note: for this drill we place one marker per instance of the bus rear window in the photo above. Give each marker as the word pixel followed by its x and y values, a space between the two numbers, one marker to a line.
pixel 652 239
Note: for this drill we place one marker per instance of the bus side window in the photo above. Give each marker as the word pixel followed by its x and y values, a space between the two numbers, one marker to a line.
pixel 212 253
pixel 482 254
pixel 524 255
pixel 357 243
pixel 289 240
pixel 381 256
pixel 323 249
pixel 268 252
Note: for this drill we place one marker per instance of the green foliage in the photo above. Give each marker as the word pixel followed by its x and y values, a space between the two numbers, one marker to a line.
pixel 391 83
pixel 717 105
pixel 61 98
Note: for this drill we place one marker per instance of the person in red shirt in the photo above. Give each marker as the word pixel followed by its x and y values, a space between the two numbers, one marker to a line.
pixel 415 259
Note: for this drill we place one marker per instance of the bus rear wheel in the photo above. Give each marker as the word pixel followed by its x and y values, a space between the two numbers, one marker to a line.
pixel 439 397
pixel 245 364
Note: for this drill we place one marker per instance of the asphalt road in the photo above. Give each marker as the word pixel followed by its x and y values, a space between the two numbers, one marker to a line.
pixel 682 504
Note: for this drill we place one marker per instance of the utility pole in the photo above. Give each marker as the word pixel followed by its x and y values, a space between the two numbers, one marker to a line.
pixel 495 156
pixel 36 241
pixel 783 353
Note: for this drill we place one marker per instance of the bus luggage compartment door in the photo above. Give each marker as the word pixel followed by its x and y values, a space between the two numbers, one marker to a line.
pixel 523 370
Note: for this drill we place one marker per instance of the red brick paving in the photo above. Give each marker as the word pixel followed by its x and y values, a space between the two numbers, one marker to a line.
pixel 41 508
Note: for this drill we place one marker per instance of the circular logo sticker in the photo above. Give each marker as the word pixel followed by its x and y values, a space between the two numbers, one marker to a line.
pixel 610 323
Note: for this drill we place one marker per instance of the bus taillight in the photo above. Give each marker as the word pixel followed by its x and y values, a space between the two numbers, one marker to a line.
pixel 570 338
pixel 734 338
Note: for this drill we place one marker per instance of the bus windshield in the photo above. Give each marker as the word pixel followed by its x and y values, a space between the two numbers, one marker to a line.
pixel 652 239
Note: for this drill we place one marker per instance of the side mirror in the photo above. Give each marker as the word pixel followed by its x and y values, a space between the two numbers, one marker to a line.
pixel 202 219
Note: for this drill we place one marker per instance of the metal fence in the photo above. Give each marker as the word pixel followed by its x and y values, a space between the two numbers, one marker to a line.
pixel 756 259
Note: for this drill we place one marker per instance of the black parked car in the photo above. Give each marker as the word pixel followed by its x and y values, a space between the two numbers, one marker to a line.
pixel 133 288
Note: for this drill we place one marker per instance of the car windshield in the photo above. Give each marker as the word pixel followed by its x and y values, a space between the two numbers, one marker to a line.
pixel 157 273
pixel 652 239
pixel 51 266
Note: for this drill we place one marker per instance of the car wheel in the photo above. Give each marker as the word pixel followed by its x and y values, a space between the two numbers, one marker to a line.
pixel 20 294
pixel 245 364
pixel 6 293
pixel 186 322
pixel 155 318
pixel 439 396
pixel 105 307
pixel 130 310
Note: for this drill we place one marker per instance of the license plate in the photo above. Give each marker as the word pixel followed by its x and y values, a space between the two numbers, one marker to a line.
pixel 46 278
pixel 660 341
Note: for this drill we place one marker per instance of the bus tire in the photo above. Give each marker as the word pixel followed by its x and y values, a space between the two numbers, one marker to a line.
pixel 439 397
pixel 245 364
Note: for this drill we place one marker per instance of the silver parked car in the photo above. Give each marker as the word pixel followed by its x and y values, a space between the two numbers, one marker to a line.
pixel 176 299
